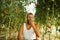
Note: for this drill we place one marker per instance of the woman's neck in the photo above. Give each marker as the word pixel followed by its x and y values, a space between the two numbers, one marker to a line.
pixel 28 26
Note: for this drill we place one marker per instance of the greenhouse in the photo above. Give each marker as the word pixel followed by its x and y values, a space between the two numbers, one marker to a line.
pixel 13 13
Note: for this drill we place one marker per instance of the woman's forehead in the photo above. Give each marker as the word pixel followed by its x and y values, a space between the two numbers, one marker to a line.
pixel 30 15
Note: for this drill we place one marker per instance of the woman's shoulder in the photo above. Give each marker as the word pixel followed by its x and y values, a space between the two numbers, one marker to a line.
pixel 22 24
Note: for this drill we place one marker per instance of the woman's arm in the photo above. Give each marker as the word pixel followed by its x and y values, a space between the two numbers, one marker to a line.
pixel 37 37
pixel 35 27
pixel 20 32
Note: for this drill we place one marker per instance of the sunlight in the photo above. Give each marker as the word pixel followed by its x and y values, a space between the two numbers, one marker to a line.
pixel 31 7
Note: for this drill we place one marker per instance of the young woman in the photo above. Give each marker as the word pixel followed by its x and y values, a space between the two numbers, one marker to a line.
pixel 29 30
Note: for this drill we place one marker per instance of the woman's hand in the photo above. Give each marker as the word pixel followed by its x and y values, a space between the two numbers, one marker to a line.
pixel 35 27
pixel 32 23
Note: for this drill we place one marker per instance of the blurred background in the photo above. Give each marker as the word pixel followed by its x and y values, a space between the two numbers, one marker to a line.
pixel 13 14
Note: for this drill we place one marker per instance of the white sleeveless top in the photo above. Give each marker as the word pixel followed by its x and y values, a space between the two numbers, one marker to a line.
pixel 28 34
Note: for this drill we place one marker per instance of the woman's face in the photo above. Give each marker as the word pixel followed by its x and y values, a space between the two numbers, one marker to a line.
pixel 30 18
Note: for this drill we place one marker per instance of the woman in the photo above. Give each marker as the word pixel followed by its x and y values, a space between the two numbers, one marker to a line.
pixel 29 30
